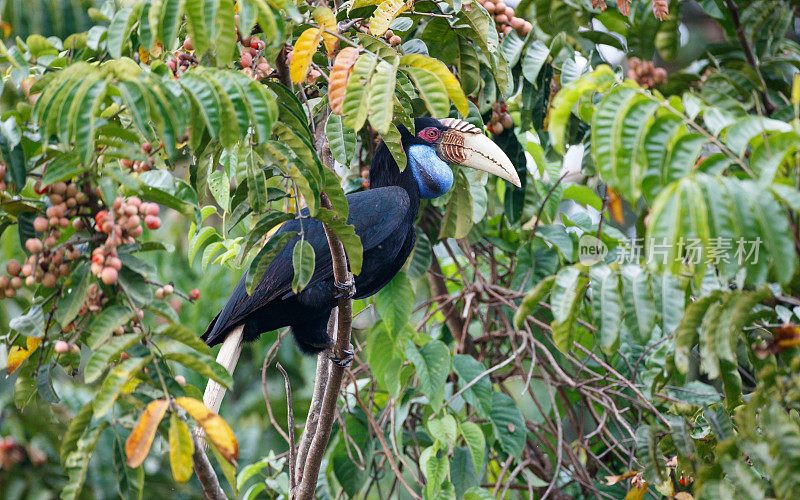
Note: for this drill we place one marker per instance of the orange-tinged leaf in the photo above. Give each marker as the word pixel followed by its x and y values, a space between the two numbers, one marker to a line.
pixel 144 56
pixel 624 7
pixel 615 206
pixel 17 355
pixel 181 448
pixel 337 80
pixel 217 430
pixel 138 444
pixel 327 21
pixel 386 12
pixel 612 480
pixel 304 50
pixel 661 9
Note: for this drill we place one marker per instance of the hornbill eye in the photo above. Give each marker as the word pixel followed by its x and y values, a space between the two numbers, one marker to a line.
pixel 430 134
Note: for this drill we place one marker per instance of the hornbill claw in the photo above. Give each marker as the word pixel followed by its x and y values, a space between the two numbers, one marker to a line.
pixel 346 289
pixel 343 362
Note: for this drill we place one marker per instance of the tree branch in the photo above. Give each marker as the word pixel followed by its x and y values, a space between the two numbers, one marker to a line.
pixel 307 480
pixel 205 472
pixel 733 9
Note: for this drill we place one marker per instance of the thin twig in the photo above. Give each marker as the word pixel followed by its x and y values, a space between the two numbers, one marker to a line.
pixel 290 423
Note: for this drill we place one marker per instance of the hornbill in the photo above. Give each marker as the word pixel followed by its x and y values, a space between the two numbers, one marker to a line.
pixel 383 218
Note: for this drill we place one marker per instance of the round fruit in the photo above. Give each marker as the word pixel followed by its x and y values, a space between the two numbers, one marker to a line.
pixel 194 294
pixel 180 379
pixel 13 267
pixel 61 347
pixel 152 222
pixel 40 224
pixel 33 245
pixel 109 275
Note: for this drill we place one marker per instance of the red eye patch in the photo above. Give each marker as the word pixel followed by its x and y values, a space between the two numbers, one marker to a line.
pixel 429 134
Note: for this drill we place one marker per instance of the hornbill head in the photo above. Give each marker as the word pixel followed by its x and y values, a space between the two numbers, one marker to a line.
pixel 454 141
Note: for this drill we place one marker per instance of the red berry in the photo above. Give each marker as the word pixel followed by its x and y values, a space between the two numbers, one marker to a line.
pixel 194 294
pixel 100 217
pixel 254 43
pixel 152 222
pixel 147 147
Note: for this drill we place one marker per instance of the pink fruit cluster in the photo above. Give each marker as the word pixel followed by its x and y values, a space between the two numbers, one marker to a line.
pixel 251 58
pixel 646 73
pixel 183 59
pixel 504 18
pixel 122 225
pixel 501 119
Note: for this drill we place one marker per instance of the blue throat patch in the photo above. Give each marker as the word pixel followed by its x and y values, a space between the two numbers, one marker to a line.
pixel 433 176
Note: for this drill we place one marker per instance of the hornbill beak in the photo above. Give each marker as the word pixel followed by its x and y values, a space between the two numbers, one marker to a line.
pixel 464 144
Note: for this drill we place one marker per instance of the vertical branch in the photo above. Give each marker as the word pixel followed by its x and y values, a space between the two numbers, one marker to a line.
pixel 340 331
pixel 733 10
pixel 205 472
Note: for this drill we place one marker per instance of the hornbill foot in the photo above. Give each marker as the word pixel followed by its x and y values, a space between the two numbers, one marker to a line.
pixel 346 289
pixel 343 362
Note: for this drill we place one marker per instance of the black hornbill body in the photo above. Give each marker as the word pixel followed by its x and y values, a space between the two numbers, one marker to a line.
pixel 383 218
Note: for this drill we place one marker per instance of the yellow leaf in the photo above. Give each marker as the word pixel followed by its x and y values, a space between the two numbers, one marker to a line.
pixel 327 21
pixel 796 90
pixel 304 50
pixel 451 83
pixel 386 12
pixel 357 4
pixel 181 448
pixel 19 354
pixel 217 430
pixel 337 81
pixel 144 56
pixel 138 444
pixel 682 495
pixel 615 206
pixel 637 491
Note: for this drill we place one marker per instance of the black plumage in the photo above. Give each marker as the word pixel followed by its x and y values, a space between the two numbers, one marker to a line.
pixel 383 218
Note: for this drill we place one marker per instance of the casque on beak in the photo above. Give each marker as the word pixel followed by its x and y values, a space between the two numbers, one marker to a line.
pixel 464 144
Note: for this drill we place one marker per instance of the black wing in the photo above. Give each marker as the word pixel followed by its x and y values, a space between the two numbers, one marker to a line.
pixel 376 214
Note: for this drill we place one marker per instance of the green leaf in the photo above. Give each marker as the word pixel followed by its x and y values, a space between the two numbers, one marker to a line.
pixel 101 357
pixel 264 258
pixel 606 306
pixel 225 42
pixel 77 462
pixel 262 227
pixel 103 325
pixel 114 381
pixel 531 300
pixel 341 139
pixel 196 26
pixel 457 221
pixel 508 424
pixel 75 293
pixel 303 265
pixel 381 94
pixel 204 365
pixel 432 90
pixel 30 324
pixel 479 394
pixel 394 302
pixel 220 187
pixel 567 98
pixel 565 298
pixel 355 105
pixel 347 235
pixel 171 16
pixel 432 362
pixel 120 29
pixel 476 442
pixel 77 425
pixel 534 59
pixel 687 335
pixel 639 303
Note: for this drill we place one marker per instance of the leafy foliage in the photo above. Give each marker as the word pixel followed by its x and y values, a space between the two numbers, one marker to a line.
pixel 625 319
